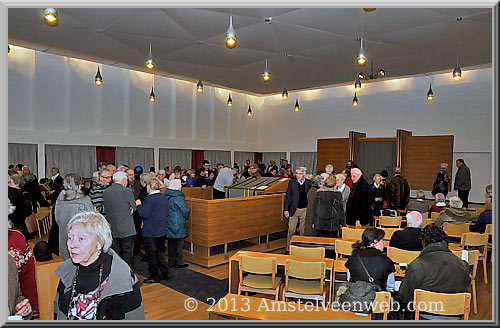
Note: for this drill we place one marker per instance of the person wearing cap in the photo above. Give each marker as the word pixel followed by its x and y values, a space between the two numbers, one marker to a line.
pixel 440 185
pixel 399 191
pixel 177 228
pixel 410 238
pixel 224 179
pixel 154 214
pixel 119 204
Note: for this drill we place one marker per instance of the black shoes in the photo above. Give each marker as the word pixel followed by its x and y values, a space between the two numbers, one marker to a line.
pixel 185 265
pixel 151 280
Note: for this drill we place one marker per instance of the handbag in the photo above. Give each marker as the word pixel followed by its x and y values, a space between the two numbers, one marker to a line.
pixel 357 296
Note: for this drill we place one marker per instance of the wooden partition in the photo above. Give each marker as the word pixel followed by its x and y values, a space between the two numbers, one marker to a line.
pixel 421 157
pixel 222 221
pixel 353 143
pixel 194 192
pixel 333 151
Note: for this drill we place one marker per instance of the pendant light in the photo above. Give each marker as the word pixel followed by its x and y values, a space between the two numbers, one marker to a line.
pixel 284 94
pixel 296 108
pixel 229 101
pixel 430 94
pixel 231 34
pixel 199 87
pixel 266 76
pixel 150 61
pixel 357 83
pixel 249 111
pixel 355 100
pixel 361 59
pixel 51 17
pixel 457 72
pixel 98 77
pixel 152 96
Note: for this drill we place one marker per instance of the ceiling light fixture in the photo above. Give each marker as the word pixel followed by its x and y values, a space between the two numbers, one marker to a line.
pixel 361 59
pixel 152 96
pixel 199 87
pixel 430 94
pixel 231 34
pixel 98 77
pixel 357 83
pixel 150 63
pixel 249 111
pixel 229 101
pixel 457 72
pixel 296 108
pixel 380 73
pixel 284 94
pixel 266 76
pixel 51 17
pixel 355 100
pixel 369 10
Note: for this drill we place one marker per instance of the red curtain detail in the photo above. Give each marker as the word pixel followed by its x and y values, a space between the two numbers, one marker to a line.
pixel 198 157
pixel 105 154
pixel 256 157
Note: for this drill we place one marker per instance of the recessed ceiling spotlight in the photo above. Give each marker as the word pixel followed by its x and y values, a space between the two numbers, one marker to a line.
pixel 51 17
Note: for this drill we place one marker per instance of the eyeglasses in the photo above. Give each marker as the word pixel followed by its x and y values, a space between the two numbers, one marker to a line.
pixel 106 177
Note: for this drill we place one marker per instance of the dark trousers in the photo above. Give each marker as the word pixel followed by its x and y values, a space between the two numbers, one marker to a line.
pixel 124 247
pixel 218 194
pixel 464 196
pixel 138 240
pixel 155 251
pixel 175 246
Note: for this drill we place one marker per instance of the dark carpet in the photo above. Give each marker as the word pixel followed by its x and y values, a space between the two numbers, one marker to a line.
pixel 189 282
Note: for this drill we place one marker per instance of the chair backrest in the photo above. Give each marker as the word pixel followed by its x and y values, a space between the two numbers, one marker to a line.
pixel 425 215
pixel 442 303
pixel 398 255
pixel 475 239
pixel 426 222
pixel 343 248
pixel 317 252
pixel 305 270
pixel 435 215
pixel 382 303
pixel 472 256
pixel 351 233
pixel 489 229
pixel 390 221
pixel 456 229
pixel 389 232
pixel 257 265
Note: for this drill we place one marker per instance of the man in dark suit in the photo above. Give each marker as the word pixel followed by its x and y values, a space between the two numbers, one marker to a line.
pixel 119 205
pixel 462 182
pixel 358 208
pixel 55 185
pixel 410 238
pixel 295 206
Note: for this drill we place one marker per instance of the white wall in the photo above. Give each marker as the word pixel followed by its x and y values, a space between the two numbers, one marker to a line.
pixel 53 99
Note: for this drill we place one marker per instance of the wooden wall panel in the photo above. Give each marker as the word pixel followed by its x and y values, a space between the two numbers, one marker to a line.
pixel 333 151
pixel 421 157
pixel 353 143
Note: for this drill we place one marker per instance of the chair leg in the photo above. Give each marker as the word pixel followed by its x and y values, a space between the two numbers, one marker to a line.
pixel 38 226
pixel 474 296
pixel 485 277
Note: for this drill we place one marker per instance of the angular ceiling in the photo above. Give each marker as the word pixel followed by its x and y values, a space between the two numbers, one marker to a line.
pixel 305 47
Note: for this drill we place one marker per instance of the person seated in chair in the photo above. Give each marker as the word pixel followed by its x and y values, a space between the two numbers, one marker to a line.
pixel 454 214
pixel 418 204
pixel 410 238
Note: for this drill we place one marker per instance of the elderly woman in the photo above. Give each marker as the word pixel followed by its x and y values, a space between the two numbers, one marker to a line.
pixel 484 218
pixel 316 183
pixel 190 178
pixel 369 252
pixel 454 214
pixel 328 213
pixel 440 203
pixel 377 194
pixel 70 201
pixel 343 188
pixel 21 201
pixel 162 178
pixel 177 228
pixel 95 284
pixel 440 185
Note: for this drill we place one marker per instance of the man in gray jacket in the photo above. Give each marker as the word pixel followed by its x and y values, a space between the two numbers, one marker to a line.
pixel 224 179
pixel 462 182
pixel 119 204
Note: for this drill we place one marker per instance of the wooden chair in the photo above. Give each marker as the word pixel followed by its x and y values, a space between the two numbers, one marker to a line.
pixel 260 275
pixel 351 233
pixel 454 304
pixel 472 259
pixel 382 303
pixel 389 232
pixel 426 222
pixel 455 230
pixel 425 215
pixel 434 215
pixel 343 248
pixel 398 255
pixel 42 219
pixel 304 280
pixel 317 252
pixel 389 221
pixel 477 240
pixel 489 232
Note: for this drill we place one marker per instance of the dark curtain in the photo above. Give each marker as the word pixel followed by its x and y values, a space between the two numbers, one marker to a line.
pixel 105 154
pixel 375 156
pixel 257 156
pixel 198 157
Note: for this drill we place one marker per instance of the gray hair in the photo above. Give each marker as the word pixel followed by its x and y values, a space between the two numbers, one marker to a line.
pixel 456 202
pixel 440 197
pixel 119 176
pixel 95 224
pixel 357 171
pixel 71 181
pixel 420 194
pixel 377 175
pixel 121 167
pixel 414 219
pixel 101 173
pixel 144 177
pixel 162 172
pixel 302 169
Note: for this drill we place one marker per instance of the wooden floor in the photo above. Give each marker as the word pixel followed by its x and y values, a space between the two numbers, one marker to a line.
pixel 163 303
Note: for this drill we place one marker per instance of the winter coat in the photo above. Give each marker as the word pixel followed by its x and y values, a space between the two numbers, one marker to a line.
pixel 33 189
pixel 436 269
pixel 440 185
pixel 68 204
pixel 378 265
pixel 462 178
pixel 22 202
pixel 453 215
pixel 154 214
pixel 377 193
pixel 484 219
pixel 308 229
pixel 359 204
pixel 400 192
pixel 121 297
pixel 178 214
pixel 328 213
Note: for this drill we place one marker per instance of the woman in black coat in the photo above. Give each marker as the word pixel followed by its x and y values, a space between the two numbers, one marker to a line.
pixel 377 194
pixel 328 212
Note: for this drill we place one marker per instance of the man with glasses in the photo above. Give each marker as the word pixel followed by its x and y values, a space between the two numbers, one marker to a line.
pixel 98 188
pixel 296 203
